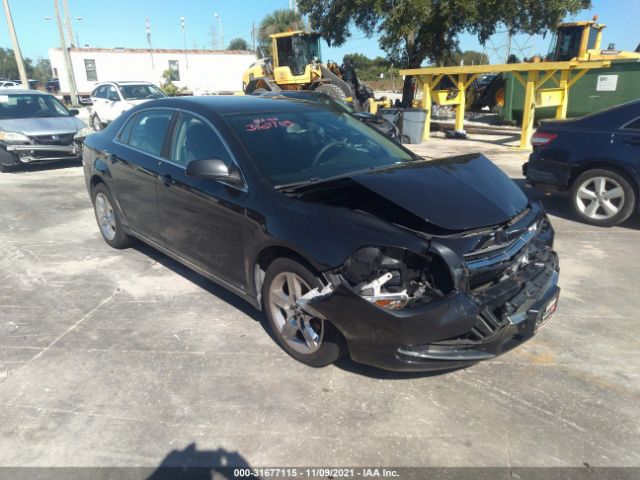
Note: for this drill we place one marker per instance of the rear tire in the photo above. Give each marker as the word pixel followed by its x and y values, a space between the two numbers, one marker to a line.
pixel 96 123
pixel 602 197
pixel 108 218
pixel 332 90
pixel 312 341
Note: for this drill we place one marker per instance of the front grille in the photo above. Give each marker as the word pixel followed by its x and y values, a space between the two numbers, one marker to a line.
pixel 504 278
pixel 56 139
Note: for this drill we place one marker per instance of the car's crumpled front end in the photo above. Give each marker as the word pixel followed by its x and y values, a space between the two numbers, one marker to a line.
pixel 467 297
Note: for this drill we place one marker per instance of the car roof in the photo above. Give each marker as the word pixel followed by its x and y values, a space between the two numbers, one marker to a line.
pixel 237 104
pixel 124 82
pixel 6 91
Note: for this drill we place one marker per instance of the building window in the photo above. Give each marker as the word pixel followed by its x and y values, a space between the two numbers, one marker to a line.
pixel 90 68
pixel 174 71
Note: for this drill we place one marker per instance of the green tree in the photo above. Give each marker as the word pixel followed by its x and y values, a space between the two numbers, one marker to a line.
pixel 238 44
pixel 470 57
pixel 277 22
pixel 412 31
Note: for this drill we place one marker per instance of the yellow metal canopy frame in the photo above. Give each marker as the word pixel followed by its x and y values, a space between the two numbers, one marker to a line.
pixel 532 76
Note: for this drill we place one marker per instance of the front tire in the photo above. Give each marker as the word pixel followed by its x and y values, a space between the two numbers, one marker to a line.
pixel 332 90
pixel 602 197
pixel 8 162
pixel 310 340
pixel 108 218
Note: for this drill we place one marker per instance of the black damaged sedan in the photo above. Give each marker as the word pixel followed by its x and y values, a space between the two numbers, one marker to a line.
pixel 350 243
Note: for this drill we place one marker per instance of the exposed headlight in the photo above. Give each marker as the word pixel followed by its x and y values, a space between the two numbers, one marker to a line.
pixel 395 278
pixel 83 132
pixel 13 137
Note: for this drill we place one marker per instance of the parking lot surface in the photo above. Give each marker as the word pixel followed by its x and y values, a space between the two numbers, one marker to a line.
pixel 121 357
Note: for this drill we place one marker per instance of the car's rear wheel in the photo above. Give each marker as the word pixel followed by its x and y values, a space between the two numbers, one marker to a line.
pixel 96 123
pixel 311 340
pixel 602 197
pixel 108 218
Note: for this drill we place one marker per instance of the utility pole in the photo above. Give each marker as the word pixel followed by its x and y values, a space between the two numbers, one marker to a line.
pixel 67 21
pixel 148 27
pixel 253 34
pixel 184 38
pixel 220 28
pixel 16 46
pixel 73 91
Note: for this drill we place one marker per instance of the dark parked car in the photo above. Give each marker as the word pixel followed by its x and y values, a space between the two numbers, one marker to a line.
pixel 36 127
pixel 347 241
pixel 52 86
pixel 596 158
pixel 384 126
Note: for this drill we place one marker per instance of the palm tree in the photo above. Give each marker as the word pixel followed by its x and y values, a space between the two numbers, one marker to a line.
pixel 279 21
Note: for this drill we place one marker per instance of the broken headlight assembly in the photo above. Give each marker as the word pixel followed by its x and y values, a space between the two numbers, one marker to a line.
pixel 396 278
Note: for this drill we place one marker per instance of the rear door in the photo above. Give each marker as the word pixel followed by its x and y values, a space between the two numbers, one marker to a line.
pixel 99 100
pixel 113 106
pixel 626 141
pixel 202 220
pixel 134 167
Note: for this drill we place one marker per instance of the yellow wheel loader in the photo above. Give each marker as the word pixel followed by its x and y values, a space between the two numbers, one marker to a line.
pixel 295 64
pixel 571 41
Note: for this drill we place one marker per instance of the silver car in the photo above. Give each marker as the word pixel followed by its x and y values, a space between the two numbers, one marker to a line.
pixel 36 127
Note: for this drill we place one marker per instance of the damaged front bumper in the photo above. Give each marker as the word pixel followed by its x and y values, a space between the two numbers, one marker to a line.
pixel 43 153
pixel 461 328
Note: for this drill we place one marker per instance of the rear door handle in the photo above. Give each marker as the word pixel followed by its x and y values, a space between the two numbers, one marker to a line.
pixel 166 179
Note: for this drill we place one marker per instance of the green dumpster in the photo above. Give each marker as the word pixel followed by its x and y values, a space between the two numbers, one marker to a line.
pixel 598 89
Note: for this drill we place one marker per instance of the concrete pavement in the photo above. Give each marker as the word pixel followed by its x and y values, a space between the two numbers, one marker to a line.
pixel 120 357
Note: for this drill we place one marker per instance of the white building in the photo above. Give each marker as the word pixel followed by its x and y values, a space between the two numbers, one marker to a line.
pixel 200 71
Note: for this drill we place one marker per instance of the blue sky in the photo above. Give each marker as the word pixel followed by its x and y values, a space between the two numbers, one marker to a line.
pixel 121 23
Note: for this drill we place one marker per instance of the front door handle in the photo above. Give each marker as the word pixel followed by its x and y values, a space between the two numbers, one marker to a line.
pixel 167 180
pixel 632 140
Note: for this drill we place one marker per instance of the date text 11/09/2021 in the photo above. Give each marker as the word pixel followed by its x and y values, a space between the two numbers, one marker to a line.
pixel 315 473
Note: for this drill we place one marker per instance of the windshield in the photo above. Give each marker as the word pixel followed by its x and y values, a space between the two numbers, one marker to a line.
pixel 313 144
pixel 26 105
pixel 140 92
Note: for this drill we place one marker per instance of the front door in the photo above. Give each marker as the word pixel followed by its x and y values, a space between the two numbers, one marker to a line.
pixel 202 220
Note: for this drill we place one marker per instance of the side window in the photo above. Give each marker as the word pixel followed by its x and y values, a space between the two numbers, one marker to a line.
pixel 195 140
pixel 98 92
pixel 125 134
pixel 174 70
pixel 90 70
pixel 634 125
pixel 146 131
pixel 112 94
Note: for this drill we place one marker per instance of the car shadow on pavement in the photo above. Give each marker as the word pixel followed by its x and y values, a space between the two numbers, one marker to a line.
pixel 199 280
pixel 350 366
pixel 194 464
pixel 558 204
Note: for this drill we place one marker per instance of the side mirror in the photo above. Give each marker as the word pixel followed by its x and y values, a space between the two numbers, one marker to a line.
pixel 213 169
pixel 74 111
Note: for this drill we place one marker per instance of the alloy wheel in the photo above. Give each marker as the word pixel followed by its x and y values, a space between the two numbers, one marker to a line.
pixel 600 198
pixel 106 216
pixel 302 332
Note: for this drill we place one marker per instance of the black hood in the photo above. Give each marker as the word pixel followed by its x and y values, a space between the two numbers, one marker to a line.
pixel 453 194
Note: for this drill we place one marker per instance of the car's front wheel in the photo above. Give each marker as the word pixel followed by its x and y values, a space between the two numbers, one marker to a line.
pixel 602 197
pixel 108 218
pixel 311 340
